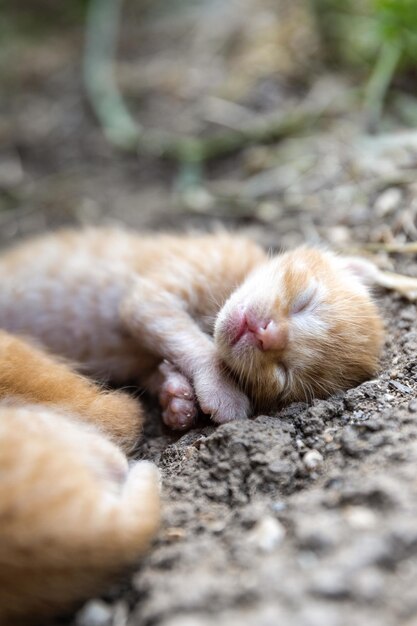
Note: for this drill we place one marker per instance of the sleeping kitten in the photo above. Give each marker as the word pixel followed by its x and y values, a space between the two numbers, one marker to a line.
pixel 301 326
pixel 145 307
pixel 72 511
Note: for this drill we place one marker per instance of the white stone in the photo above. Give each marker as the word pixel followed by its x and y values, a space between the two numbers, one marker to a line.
pixel 387 201
pixel 312 460
pixel 360 517
pixel 95 613
pixel 267 534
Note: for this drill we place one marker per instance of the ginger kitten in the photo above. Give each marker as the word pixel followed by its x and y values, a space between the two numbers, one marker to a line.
pixel 72 511
pixel 145 307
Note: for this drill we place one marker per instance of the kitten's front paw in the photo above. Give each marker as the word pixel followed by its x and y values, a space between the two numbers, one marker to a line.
pixel 221 399
pixel 176 396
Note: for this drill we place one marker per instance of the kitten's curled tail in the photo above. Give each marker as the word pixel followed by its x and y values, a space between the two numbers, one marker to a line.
pixel 72 511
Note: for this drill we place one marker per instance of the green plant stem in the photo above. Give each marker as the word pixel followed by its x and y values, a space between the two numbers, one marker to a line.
pixel 379 82
pixel 102 28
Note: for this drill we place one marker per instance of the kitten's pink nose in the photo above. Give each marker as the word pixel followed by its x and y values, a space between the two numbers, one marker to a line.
pixel 269 335
pixel 273 336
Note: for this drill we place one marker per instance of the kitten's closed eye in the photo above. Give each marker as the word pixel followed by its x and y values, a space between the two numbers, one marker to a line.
pixel 303 301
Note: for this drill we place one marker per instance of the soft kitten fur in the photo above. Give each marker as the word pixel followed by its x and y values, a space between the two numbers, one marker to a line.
pixel 136 307
pixel 72 512
pixel 130 307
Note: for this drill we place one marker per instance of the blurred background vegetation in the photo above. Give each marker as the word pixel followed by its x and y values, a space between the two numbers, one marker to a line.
pixel 376 40
pixel 156 112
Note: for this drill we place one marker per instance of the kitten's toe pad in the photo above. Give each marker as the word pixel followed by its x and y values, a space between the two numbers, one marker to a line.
pixel 177 399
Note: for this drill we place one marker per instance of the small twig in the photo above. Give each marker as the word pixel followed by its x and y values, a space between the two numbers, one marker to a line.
pixel 392 248
pixel 406 286
pixel 379 82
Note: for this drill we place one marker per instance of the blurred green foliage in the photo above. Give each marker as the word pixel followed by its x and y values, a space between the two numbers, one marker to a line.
pixel 377 38
pixel 353 31
pixel 397 23
pixel 347 31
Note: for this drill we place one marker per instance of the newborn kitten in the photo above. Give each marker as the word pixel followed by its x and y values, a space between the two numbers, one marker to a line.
pixel 129 306
pixel 301 326
pixel 72 512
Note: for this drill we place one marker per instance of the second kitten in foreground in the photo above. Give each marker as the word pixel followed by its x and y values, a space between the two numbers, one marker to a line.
pixel 73 512
pixel 145 308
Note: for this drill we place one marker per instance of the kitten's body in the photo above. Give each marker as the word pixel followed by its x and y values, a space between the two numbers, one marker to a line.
pixel 72 512
pixel 120 304
pixel 67 290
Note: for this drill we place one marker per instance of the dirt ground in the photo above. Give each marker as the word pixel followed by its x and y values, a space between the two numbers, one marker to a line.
pixel 307 517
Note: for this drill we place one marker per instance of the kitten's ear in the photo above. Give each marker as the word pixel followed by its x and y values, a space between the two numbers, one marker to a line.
pixel 366 271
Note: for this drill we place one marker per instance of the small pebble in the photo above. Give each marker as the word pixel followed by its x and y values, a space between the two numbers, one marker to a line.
pixel 360 517
pixel 408 314
pixel 267 534
pixel 174 534
pixel 198 199
pixel 269 211
pixel 359 415
pixel 330 584
pixel 387 201
pixel 412 406
pixel 328 437
pixel 95 613
pixel 313 460
pixel 278 506
pixel 339 234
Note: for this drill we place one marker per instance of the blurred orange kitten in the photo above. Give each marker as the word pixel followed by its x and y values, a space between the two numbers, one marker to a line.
pixel 72 511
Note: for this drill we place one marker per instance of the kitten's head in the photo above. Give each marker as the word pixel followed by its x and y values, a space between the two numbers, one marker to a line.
pixel 302 325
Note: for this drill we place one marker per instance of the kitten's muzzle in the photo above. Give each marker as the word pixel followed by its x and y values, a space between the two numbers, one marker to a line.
pixel 264 334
